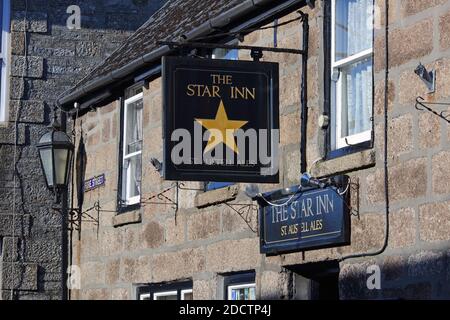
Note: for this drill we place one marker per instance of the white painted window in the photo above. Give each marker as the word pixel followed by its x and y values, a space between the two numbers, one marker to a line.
pixel 187 294
pixel 132 150
pixel 166 295
pixel 245 291
pixel 166 291
pixel 351 72
pixel 226 54
pixel 144 296
pixel 4 57
pixel 173 295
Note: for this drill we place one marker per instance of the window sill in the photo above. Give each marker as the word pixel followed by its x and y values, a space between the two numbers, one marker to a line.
pixel 126 218
pixel 345 164
pixel 213 197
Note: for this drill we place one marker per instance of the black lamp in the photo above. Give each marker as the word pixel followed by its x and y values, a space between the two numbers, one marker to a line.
pixel 55 152
pixel 306 180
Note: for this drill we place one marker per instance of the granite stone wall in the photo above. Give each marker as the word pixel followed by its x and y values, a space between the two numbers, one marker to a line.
pixel 206 239
pixel 46 58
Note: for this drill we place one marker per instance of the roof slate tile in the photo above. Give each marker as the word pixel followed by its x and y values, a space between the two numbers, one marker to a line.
pixel 174 19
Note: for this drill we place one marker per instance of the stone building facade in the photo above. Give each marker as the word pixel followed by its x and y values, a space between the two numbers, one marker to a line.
pixel 43 59
pixel 205 242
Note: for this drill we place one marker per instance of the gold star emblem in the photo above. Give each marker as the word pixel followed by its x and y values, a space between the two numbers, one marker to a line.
pixel 222 129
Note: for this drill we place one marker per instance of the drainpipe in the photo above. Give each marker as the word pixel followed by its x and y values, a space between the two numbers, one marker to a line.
pixel 64 227
pixel 386 128
pixel 304 94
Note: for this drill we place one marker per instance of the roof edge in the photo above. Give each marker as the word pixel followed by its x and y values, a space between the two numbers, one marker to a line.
pixel 69 97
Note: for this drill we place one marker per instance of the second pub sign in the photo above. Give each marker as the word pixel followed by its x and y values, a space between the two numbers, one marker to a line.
pixel 220 120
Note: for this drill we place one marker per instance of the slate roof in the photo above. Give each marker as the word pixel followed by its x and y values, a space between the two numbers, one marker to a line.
pixel 174 18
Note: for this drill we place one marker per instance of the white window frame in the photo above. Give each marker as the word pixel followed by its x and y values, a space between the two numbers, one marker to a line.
pixel 156 295
pixel 4 58
pixel 136 199
pixel 184 292
pixel 239 286
pixel 338 141
pixel 144 296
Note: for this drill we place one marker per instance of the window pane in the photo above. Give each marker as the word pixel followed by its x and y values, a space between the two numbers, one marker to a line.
pixel 244 293
pixel 60 163
pixel 173 291
pixel 357 98
pixel 132 170
pixel 46 157
pixel 166 297
pixel 227 54
pixel 354 24
pixel 217 185
pixel 133 141
pixel 145 296
pixel 188 295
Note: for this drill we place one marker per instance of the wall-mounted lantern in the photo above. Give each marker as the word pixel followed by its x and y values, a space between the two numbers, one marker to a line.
pixel 55 152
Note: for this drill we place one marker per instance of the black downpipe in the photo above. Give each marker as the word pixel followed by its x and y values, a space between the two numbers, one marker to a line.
pixel 72 186
pixel 385 163
pixel 304 94
pixel 64 227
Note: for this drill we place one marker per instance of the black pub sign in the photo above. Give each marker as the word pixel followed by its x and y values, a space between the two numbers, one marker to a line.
pixel 303 220
pixel 220 120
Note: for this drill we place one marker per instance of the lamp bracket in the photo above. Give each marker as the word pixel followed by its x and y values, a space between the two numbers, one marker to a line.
pixel 76 217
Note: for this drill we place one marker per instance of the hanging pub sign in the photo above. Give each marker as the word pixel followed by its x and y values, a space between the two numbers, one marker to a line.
pixel 303 220
pixel 220 120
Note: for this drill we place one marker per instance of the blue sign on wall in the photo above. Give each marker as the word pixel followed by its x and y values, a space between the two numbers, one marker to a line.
pixel 94 183
pixel 303 220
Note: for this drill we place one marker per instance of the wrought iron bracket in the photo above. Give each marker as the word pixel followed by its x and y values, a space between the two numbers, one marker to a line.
pixel 207 45
pixel 354 189
pixel 76 217
pixel 246 212
pixel 423 107
pixel 256 54
pixel 161 198
pixel 181 186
